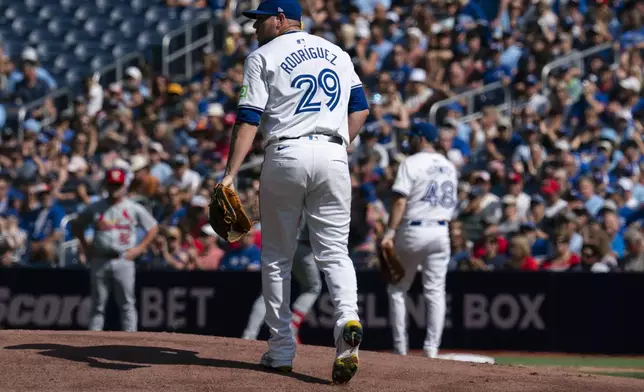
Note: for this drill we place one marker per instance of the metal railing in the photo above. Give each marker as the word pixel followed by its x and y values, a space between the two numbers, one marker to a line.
pixel 469 100
pixel 64 246
pixel 575 58
pixel 114 72
pixel 192 42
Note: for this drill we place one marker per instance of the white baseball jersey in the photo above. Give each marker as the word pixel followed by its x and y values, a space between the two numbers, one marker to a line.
pixel 429 180
pixel 308 80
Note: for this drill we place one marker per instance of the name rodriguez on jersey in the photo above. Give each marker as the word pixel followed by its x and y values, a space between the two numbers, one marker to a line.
pixel 302 55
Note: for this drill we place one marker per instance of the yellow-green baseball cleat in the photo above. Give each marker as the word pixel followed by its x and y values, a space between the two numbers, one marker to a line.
pixel 346 361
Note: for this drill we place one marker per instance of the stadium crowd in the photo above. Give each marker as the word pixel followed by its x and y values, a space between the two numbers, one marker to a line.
pixel 554 183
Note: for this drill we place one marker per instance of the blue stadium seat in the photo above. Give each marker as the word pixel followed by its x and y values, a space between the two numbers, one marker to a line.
pixel 48 12
pixel 118 15
pixel 76 74
pixel 147 38
pixel 87 12
pixel 51 49
pixel 95 27
pixel 123 49
pixel 165 26
pixel 101 61
pixel 37 36
pixel 33 5
pixel 60 26
pixel 107 5
pixel 85 52
pixel 139 6
pixel 71 5
pixel 154 14
pixel 130 28
pixel 190 14
pixel 74 37
pixel 111 38
pixel 15 10
pixel 23 26
pixel 62 62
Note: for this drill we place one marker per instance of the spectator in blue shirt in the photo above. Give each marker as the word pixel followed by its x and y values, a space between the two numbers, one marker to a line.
pixel 31 87
pixel 244 258
pixel 30 56
pixel 592 202
pixel 611 225
pixel 41 219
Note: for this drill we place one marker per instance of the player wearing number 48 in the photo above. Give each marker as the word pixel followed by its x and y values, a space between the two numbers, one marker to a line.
pixel 425 197
pixel 111 253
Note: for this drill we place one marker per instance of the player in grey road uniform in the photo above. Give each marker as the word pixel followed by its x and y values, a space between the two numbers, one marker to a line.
pixel 306 272
pixel 114 248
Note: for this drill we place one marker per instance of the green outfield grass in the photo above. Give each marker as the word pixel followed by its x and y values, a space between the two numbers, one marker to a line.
pixel 612 364
pixel 609 362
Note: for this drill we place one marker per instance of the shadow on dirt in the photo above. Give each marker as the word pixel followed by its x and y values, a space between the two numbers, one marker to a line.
pixel 122 357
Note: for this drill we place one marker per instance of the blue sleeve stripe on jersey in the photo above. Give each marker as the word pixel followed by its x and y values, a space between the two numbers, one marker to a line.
pixel 249 115
pixel 247 106
pixel 356 86
pixel 358 100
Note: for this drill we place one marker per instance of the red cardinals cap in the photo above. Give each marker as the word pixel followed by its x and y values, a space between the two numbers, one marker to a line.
pixel 515 177
pixel 115 177
pixel 550 187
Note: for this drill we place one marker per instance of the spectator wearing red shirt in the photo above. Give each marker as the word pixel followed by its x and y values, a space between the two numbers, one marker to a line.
pixel 520 257
pixel 563 259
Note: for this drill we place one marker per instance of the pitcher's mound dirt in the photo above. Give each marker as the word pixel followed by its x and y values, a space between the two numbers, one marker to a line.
pixel 166 362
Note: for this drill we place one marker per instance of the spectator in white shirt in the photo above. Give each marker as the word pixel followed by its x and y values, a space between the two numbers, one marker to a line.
pixel 185 178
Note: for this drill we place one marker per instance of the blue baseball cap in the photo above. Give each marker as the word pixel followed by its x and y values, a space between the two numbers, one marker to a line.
pixel 424 129
pixel 290 8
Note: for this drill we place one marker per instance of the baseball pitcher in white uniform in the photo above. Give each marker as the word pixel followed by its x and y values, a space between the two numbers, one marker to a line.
pixel 425 197
pixel 302 93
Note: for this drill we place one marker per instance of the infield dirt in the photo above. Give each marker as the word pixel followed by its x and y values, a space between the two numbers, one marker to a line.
pixel 166 362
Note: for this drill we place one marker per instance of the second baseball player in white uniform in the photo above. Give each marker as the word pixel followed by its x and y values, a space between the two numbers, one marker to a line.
pixel 425 197
pixel 303 94
pixel 307 275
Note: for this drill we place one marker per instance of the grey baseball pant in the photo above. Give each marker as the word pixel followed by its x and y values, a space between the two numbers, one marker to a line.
pixel 307 275
pixel 117 275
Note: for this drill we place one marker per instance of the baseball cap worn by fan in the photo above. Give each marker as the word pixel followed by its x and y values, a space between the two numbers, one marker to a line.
pixel 290 8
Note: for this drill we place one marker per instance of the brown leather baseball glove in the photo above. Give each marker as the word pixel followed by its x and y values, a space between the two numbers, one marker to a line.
pixel 390 266
pixel 227 215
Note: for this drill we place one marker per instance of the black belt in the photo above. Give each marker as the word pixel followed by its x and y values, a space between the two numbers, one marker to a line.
pixel 421 223
pixel 332 139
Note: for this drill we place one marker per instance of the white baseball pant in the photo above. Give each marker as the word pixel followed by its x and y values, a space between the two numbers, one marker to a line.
pixel 427 245
pixel 308 176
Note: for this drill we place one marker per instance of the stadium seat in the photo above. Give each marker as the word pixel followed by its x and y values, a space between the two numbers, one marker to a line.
pixel 50 49
pixel 74 37
pixel 87 12
pixel 96 27
pixel 165 26
pixel 139 6
pixel 48 12
pixel 62 62
pixel 37 36
pixel 76 75
pixel 33 5
pixel 122 49
pixel 107 5
pixel 153 15
pixel 147 38
pixel 15 10
pixel 111 38
pixel 71 5
pixel 60 26
pixel 85 52
pixel 130 28
pixel 23 26
pixel 100 61
pixel 190 14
